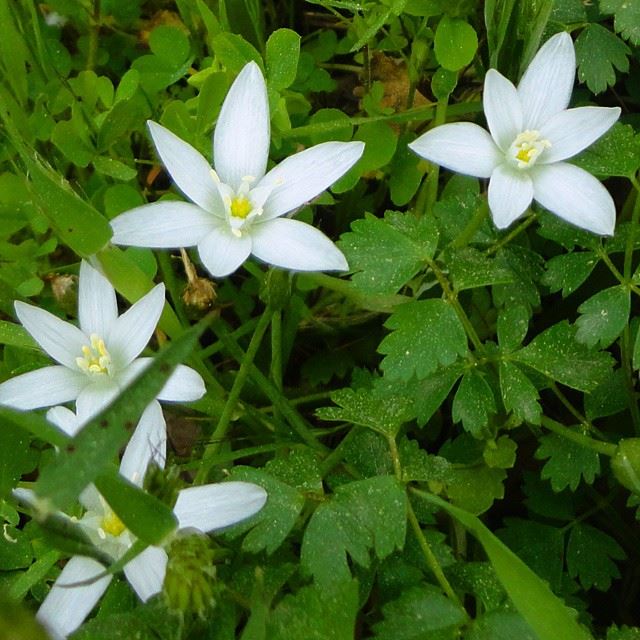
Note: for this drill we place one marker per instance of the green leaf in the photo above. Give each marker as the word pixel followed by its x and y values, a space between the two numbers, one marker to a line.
pixel 16 456
pixel 299 468
pixel 234 51
pixel 617 153
pixel 474 402
pixel 98 443
pixel 34 423
pixel 590 556
pixel 425 333
pixel 568 462
pixel 604 316
pixel 627 17
pixel 419 613
pixel 114 168
pixel 16 336
pixel 475 488
pixel 455 43
pixel 314 614
pixel 501 453
pixel 405 176
pixel 500 625
pixel 418 465
pixel 283 51
pixel 149 519
pixel 512 326
pixel 608 398
pixel 556 354
pixel 599 52
pixel 382 412
pixel 433 390
pixel 362 515
pixel 568 271
pixel 170 44
pixel 386 253
pixel 519 394
pixel 623 633
pixel 470 268
pixel 542 610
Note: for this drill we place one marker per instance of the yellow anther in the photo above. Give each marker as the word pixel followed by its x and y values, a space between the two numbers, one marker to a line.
pixel 527 147
pixel 112 525
pixel 240 207
pixel 96 358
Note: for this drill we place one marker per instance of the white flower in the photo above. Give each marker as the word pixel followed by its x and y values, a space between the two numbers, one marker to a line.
pixel 237 210
pixel 205 508
pixel 532 132
pixel 99 359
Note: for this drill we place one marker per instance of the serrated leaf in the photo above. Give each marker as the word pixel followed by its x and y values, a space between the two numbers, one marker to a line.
pixel 386 253
pixel 590 557
pixel 384 413
pixel 470 268
pixel 500 625
pixel 512 326
pixel 568 462
pixel 269 528
pixel 599 52
pixel 299 468
pixel 418 465
pixel 617 153
pixel 519 394
pixel 608 398
pixel 433 391
pixel 473 403
pixel 623 633
pixel 476 487
pixel 420 612
pixel 604 317
pixel 556 354
pixel 424 334
pixel 568 271
pixel 362 516
pixel 627 17
pixel 501 453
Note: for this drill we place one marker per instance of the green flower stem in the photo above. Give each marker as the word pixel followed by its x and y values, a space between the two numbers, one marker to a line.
pixel 173 287
pixel 431 181
pixel 276 349
pixel 93 35
pixel 631 239
pixel 395 457
pixel 232 400
pixel 472 227
pixel 312 397
pixel 516 231
pixel 627 366
pixel 335 457
pixel 431 559
pixel 280 402
pixel 243 330
pixel 605 448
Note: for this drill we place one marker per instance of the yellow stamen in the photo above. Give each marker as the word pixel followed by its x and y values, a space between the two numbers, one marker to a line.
pixel 240 207
pixel 96 358
pixel 112 525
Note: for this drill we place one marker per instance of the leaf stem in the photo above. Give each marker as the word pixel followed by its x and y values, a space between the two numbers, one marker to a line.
pixel 472 227
pixel 528 221
pixel 605 448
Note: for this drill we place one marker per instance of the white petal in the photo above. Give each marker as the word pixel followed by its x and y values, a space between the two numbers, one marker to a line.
pixel 184 385
pixel 545 88
pixel 162 225
pixel 575 196
pixel 510 193
pixel 294 245
pixel 42 388
pixel 189 170
pixel 65 608
pixel 241 138
pixel 214 506
pixel 502 109
pixel 97 305
pixel 460 146
pixel 94 398
pixel 133 329
pixel 301 177
pixel 61 340
pixel 146 572
pixel 91 499
pixel 65 420
pixel 148 442
pixel 573 130
pixel 222 253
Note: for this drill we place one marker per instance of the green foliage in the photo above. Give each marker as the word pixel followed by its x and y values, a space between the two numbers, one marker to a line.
pixel 568 463
pixel 604 316
pixel 627 18
pixel 473 403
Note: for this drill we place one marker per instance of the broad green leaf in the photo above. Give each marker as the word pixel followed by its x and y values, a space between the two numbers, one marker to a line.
pixel 406 175
pixel 599 52
pixel 617 153
pixel 473 403
pixel 542 610
pixel 568 462
pixel 556 354
pixel 16 336
pixel 433 390
pixel 603 316
pixel 470 268
pixel 114 168
pixel 384 413
pixel 425 333
pixel 314 614
pixel 15 549
pixel 519 394
pixel 420 612
pixel 299 468
pixel 283 51
pixel 149 519
pixel 34 574
pixel 568 271
pixel 455 43
pixel 386 253
pixel 16 456
pixel 512 327
pixel 475 487
pixel 34 423
pixel 500 453
pixel 627 17
pixel 234 51
pixel 98 443
pixel 418 465
pixel 72 140
pixel 609 398
pixel 170 44
pixel 500 625
pixel 363 515
pixel 590 557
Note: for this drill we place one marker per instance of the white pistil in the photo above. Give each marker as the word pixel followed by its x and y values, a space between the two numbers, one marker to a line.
pixel 527 148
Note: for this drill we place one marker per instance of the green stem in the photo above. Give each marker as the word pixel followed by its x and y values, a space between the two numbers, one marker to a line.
pixel 528 221
pixel 604 448
pixel 94 32
pixel 429 556
pixel 276 349
pixel 631 239
pixel 627 366
pixel 472 227
pixel 434 174
pixel 232 400
pixel 245 329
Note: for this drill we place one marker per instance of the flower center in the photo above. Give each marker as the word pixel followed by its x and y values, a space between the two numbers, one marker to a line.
pixel 111 524
pixel 527 147
pixel 240 207
pixel 95 357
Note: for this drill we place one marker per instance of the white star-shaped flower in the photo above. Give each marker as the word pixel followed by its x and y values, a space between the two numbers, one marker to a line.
pixel 99 359
pixel 532 133
pixel 205 508
pixel 237 210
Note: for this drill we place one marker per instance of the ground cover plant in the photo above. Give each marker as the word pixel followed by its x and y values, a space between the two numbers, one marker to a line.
pixel 318 319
